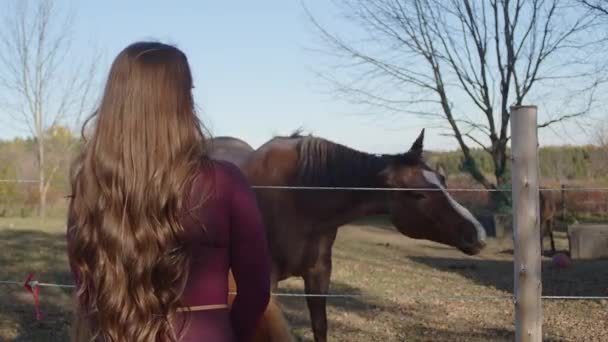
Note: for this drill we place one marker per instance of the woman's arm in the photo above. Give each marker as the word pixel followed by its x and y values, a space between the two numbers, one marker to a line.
pixel 250 259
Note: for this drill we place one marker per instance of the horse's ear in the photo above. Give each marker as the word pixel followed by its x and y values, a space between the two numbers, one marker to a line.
pixel 417 146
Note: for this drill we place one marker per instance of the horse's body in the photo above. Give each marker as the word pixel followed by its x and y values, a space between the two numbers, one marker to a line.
pixel 230 149
pixel 272 326
pixel 548 209
pixel 302 224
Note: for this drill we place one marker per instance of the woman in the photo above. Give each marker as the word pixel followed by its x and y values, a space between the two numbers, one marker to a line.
pixel 153 224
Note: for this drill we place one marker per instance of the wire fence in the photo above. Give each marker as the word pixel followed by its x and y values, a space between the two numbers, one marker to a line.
pixel 288 187
pixel 34 285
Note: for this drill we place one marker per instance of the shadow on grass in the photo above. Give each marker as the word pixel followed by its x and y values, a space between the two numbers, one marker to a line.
pixel 350 319
pixel 342 311
pixel 22 252
pixel 428 334
pixel 379 316
pixel 384 222
pixel 481 335
pixel 582 278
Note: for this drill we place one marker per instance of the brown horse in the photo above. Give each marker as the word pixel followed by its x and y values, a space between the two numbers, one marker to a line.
pixel 230 149
pixel 302 223
pixel 272 326
pixel 548 210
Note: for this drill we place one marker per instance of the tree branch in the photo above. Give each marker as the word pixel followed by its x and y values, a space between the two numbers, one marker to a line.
pixel 436 56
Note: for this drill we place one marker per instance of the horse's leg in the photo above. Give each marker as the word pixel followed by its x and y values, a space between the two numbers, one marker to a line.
pixel 550 228
pixel 542 236
pixel 316 281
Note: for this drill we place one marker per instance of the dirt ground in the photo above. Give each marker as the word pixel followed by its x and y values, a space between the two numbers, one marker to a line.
pixel 414 278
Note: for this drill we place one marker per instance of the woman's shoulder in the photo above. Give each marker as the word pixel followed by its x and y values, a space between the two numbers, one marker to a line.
pixel 215 181
pixel 225 174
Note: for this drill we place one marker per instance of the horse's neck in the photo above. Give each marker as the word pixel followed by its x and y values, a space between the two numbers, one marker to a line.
pixel 372 204
pixel 325 164
pixel 340 207
pixel 329 209
pixel 330 165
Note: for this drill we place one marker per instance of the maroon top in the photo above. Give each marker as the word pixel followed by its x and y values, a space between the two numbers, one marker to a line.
pixel 226 232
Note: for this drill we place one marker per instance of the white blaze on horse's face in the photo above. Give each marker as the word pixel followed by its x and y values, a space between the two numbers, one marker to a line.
pixel 432 178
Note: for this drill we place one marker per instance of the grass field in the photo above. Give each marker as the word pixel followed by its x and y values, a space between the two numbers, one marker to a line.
pixel 367 260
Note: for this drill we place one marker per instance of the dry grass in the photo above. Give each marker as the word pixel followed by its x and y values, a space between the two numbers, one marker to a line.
pixel 367 260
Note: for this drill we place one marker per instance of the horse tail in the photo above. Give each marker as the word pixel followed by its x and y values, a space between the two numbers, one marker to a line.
pixel 272 326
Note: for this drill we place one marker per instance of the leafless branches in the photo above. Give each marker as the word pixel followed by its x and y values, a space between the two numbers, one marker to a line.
pixel 468 61
pixel 41 85
pixel 600 6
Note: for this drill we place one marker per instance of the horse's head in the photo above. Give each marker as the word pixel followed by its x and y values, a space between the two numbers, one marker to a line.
pixel 432 215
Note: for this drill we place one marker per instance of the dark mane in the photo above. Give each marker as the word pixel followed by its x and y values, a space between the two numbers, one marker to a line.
pixel 328 164
pixel 298 133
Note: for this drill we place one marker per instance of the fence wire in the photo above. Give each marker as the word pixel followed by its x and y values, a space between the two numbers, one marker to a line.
pixel 37 284
pixel 346 188
pixel 347 295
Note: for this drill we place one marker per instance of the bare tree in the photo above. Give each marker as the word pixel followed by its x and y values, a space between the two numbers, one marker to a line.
pixel 599 128
pixel 41 83
pixel 600 6
pixel 600 135
pixel 461 64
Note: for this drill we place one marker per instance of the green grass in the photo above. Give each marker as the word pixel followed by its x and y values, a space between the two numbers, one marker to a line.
pixel 412 274
pixel 50 225
pixel 33 245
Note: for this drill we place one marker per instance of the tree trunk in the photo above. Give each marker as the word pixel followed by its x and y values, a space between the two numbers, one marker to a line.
pixel 41 181
pixel 499 199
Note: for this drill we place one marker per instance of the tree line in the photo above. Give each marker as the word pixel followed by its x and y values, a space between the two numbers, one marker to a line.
pixel 561 164
pixel 20 196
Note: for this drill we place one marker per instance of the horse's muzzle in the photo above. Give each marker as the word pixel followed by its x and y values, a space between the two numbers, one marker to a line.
pixel 472 248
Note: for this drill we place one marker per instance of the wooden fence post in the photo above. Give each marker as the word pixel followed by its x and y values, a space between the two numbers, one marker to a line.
pixel 526 224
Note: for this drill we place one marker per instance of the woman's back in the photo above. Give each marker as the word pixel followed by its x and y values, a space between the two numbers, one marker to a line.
pixel 145 238
pixel 225 232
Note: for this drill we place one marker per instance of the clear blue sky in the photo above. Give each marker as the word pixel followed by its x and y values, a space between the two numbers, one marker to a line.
pixel 251 69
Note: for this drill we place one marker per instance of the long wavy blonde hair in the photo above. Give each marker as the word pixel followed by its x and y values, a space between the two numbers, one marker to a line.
pixel 129 184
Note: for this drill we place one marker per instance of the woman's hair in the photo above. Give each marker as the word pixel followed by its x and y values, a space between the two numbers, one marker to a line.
pixel 129 183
